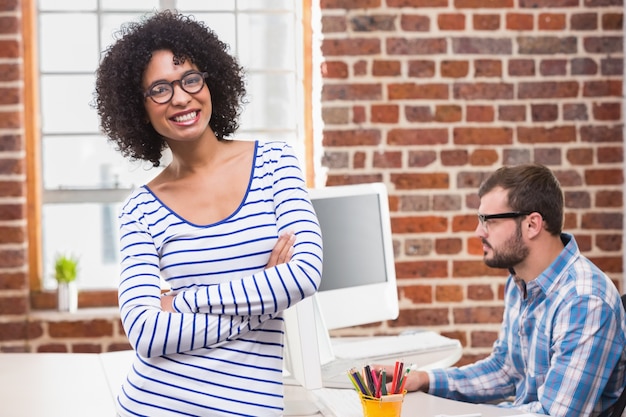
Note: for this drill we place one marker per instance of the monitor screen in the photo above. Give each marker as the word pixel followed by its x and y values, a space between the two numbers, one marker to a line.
pixel 358 278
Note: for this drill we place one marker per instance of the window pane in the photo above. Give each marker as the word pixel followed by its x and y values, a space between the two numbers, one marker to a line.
pixel 94 164
pixel 129 5
pixel 87 231
pixel 65 104
pixel 272 102
pixel 204 5
pixel 223 24
pixel 73 5
pixel 60 43
pixel 266 41
pixel 266 4
pixel 111 24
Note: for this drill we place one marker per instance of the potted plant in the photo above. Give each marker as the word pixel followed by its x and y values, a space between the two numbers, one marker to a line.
pixel 65 273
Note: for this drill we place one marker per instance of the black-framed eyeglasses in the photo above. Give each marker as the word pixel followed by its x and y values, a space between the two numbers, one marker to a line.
pixel 482 218
pixel 162 92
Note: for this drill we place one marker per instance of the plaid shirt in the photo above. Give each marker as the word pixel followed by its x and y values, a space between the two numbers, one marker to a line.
pixel 561 349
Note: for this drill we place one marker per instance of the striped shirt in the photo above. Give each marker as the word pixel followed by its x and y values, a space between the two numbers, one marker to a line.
pixel 222 352
pixel 561 349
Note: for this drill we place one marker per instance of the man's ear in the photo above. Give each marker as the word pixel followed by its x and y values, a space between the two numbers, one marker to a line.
pixel 532 224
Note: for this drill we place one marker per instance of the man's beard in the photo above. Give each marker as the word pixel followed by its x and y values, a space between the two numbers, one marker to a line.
pixel 513 252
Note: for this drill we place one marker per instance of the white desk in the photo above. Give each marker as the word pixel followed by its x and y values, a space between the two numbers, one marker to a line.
pixel 76 385
pixel 53 385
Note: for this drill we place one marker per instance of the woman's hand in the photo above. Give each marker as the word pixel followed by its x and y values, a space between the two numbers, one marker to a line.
pixel 283 249
pixel 166 303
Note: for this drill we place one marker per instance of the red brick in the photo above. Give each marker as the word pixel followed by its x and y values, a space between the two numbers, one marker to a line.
pixel 385 113
pixel 419 224
pixel 414 91
pixel 483 4
pixel 607 111
pixel 448 246
pixel 417 181
pixel 80 328
pixel 480 292
pixel 334 69
pixel 609 198
pixel 448 113
pixel 404 137
pixel 359 137
pixel 352 92
pixel 451 21
pixel 387 159
pixel 350 47
pixel 349 4
pixel 421 158
pixel 418 294
pixel 483 114
pixel 449 293
pixel 604 176
pixel 414 23
pixel 478 315
pixel 488 68
pixel 422 317
pixel 546 135
pixel 421 69
pixel 467 269
pixel 551 21
pixel 609 243
pixel 483 338
pixel 519 21
pixel 456 157
pixel 580 156
pixel 486 21
pixel 454 69
pixel 610 154
pixel 483 91
pixel 484 157
pixel 382 68
pixel 483 136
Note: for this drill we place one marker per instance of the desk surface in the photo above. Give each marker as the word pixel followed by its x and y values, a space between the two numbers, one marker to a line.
pixel 68 385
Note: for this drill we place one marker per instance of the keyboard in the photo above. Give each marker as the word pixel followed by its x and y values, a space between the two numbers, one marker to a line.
pixel 399 345
pixel 380 350
pixel 338 402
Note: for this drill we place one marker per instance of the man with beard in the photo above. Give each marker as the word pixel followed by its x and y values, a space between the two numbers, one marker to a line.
pixel 561 346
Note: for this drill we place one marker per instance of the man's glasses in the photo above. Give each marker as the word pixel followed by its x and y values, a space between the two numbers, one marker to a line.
pixel 162 92
pixel 483 218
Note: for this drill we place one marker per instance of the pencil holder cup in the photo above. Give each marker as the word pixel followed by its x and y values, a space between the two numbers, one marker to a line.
pixel 385 406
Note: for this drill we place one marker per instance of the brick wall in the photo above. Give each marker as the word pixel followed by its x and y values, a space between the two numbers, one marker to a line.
pixel 427 96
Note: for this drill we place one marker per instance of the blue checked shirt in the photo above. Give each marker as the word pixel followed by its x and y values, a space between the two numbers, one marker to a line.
pixel 561 350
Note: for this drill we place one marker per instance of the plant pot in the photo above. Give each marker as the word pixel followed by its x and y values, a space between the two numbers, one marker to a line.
pixel 67 296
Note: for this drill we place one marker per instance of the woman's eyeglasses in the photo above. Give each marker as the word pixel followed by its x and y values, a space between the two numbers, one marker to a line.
pixel 162 92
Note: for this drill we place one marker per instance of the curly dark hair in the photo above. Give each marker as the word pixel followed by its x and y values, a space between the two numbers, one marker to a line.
pixel 119 97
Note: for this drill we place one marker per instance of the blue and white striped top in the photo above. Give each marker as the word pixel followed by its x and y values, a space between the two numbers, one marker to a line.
pixel 561 349
pixel 222 354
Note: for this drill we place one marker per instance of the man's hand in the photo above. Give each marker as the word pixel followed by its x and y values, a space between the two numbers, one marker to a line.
pixel 416 380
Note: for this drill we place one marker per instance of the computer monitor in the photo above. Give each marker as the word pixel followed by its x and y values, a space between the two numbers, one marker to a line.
pixel 358 280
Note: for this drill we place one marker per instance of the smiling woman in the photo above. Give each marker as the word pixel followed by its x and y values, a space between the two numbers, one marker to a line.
pixel 80 200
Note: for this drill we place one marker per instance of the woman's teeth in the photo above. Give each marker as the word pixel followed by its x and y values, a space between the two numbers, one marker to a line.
pixel 185 117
